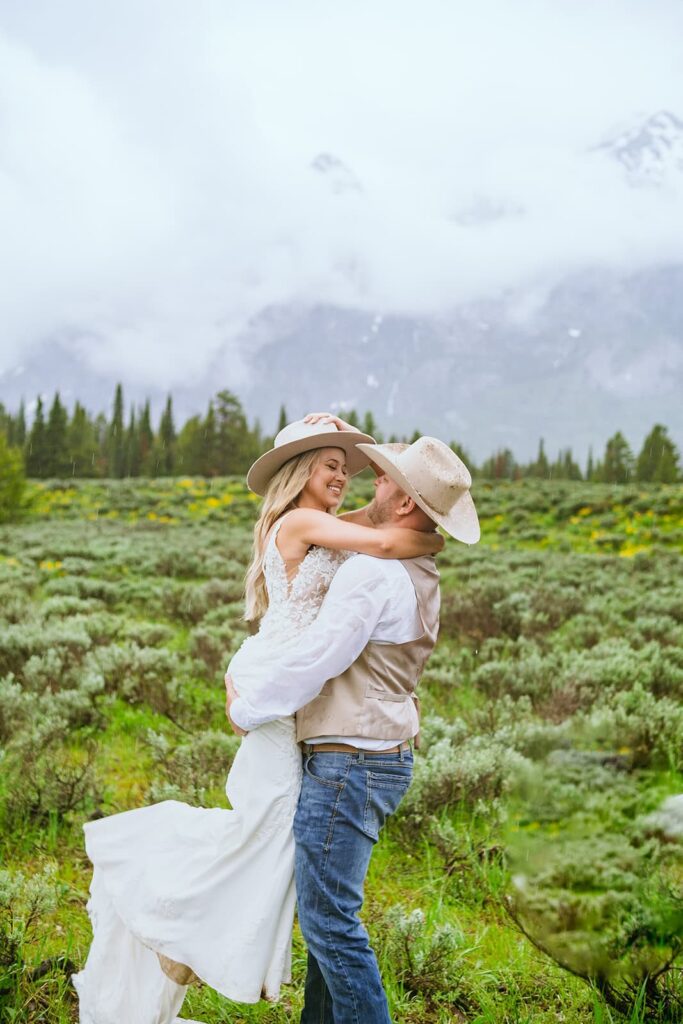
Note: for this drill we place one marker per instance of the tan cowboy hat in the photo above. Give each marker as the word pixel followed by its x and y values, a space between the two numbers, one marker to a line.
pixel 436 479
pixel 299 437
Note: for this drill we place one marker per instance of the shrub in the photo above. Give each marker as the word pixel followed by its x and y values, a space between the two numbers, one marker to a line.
pixel 43 780
pixel 23 902
pixel 477 769
pixel 424 961
pixel 20 642
pixel 189 603
pixel 212 647
pixel 650 730
pixel 189 770
pixel 141 674
pixel 148 634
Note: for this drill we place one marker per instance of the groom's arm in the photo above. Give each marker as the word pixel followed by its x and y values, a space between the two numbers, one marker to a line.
pixel 349 614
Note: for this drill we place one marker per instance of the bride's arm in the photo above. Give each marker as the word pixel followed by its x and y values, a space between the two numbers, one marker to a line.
pixel 311 527
pixel 407 547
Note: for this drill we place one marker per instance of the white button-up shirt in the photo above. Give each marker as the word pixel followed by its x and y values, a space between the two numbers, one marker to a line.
pixel 370 599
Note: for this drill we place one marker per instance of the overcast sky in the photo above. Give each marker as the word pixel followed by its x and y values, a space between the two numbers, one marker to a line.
pixel 156 188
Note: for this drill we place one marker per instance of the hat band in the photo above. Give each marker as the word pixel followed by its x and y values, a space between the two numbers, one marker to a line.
pixel 438 508
pixel 441 507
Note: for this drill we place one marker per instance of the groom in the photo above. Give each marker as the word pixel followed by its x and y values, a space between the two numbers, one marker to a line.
pixel 351 678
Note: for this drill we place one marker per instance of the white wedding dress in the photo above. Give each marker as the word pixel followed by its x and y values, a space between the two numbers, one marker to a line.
pixel 210 888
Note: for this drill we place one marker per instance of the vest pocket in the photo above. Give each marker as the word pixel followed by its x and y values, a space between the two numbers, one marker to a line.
pixel 375 692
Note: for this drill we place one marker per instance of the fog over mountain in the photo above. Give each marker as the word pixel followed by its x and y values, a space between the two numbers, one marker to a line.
pixel 469 221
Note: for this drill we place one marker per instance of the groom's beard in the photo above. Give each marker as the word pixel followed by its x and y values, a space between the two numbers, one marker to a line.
pixel 380 512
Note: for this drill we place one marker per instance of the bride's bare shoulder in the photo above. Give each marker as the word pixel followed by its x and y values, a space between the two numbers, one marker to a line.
pixel 298 519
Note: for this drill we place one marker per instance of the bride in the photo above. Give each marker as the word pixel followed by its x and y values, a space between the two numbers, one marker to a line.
pixel 180 892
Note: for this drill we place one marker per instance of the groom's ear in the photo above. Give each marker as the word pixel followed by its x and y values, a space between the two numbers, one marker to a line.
pixel 406 505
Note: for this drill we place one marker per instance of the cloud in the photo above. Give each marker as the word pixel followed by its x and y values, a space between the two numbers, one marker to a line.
pixel 156 186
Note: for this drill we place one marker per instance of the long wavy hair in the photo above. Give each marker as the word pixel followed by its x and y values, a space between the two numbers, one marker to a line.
pixel 281 495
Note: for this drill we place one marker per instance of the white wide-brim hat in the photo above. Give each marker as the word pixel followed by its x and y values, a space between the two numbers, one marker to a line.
pixel 436 479
pixel 299 437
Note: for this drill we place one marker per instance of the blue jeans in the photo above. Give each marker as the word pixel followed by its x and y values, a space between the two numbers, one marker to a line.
pixel 345 800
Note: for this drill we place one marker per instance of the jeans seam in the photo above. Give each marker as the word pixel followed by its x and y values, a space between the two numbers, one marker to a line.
pixel 368 791
pixel 328 840
pixel 328 915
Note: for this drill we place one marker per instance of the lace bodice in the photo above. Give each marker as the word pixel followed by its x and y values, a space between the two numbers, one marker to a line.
pixel 292 604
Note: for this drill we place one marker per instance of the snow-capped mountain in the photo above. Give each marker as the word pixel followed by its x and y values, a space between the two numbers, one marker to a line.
pixel 602 352
pixel 651 152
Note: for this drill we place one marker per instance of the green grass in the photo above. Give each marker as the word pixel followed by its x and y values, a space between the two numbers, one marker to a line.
pixel 562 570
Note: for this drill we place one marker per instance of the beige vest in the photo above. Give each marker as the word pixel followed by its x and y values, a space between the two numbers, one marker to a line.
pixel 374 698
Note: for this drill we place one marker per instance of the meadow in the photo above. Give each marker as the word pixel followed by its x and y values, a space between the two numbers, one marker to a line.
pixel 534 873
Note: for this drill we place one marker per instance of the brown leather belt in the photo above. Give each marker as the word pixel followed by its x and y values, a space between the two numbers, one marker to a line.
pixel 346 748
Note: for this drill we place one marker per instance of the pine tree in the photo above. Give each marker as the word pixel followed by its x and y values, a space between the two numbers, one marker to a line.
pixel 500 466
pixel 541 467
pixel 617 465
pixel 208 458
pixel 101 433
pixel 668 471
pixel 564 467
pixel 282 419
pixel 36 455
pixel 21 425
pixel 258 440
pixel 57 462
pixel 236 445
pixel 16 428
pixel 84 454
pixel 133 458
pixel 189 447
pixel 146 440
pixel 370 427
pixel 658 458
pixel 116 448
pixel 570 468
pixel 165 461
pixel 590 468
pixel 463 455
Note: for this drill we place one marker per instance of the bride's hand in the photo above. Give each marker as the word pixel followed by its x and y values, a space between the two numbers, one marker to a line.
pixel 438 542
pixel 430 542
pixel 328 417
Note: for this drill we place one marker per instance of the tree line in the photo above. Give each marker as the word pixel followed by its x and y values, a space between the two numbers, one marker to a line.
pixel 59 444
pixel 656 462
pixel 222 442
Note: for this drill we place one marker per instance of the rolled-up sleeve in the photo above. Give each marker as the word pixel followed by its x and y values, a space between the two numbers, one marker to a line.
pixel 294 676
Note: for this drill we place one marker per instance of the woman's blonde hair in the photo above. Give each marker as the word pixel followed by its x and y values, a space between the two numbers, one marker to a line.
pixel 281 495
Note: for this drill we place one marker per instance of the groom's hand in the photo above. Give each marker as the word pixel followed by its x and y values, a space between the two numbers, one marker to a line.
pixel 230 696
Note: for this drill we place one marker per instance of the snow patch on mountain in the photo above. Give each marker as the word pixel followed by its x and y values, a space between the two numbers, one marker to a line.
pixel 650 152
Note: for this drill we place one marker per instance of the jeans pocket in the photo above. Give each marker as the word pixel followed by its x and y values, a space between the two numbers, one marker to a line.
pixel 327 770
pixel 385 790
